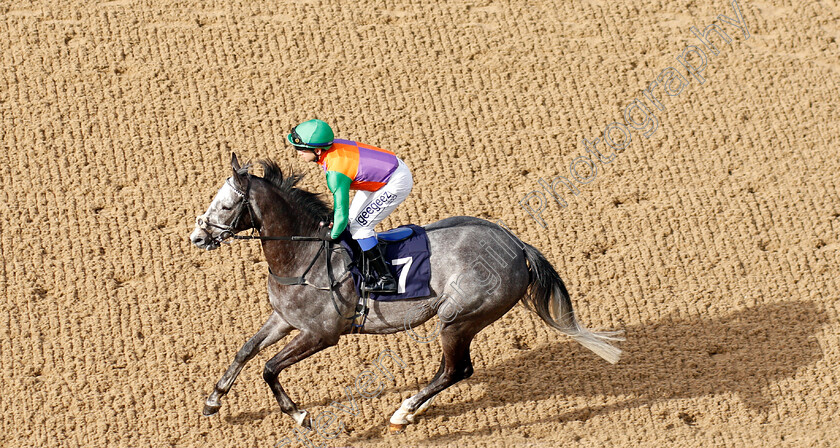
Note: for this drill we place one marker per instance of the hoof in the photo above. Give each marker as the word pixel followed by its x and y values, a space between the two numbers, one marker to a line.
pixel 396 428
pixel 412 418
pixel 303 419
pixel 211 409
pixel 307 423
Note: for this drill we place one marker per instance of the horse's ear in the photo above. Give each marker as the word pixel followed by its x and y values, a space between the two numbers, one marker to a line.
pixel 237 177
pixel 234 162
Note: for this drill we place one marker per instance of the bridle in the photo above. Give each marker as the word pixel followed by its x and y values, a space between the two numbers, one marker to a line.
pixel 227 232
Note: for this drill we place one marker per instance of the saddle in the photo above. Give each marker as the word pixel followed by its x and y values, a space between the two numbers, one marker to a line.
pixel 385 238
pixel 394 235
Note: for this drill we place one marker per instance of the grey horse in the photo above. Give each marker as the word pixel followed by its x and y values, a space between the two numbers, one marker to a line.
pixel 479 271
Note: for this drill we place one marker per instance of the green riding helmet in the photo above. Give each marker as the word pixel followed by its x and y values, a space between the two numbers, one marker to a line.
pixel 312 134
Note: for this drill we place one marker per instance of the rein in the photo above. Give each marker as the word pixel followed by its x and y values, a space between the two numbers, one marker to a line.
pixel 281 238
pixel 326 248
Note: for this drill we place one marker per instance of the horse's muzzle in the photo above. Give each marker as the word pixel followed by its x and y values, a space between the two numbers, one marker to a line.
pixel 203 240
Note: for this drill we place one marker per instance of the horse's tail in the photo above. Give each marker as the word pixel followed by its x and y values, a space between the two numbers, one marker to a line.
pixel 550 300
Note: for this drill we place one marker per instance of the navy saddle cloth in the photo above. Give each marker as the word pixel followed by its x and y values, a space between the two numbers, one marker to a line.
pixel 407 254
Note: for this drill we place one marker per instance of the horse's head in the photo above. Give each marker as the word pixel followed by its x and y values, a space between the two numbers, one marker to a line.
pixel 229 213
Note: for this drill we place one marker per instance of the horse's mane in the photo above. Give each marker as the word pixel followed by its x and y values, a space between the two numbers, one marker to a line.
pixel 310 203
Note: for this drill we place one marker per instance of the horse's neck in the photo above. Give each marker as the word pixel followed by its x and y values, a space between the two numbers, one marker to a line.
pixel 277 217
pixel 280 218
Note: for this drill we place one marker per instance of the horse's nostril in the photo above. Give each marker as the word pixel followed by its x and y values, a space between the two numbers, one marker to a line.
pixel 197 240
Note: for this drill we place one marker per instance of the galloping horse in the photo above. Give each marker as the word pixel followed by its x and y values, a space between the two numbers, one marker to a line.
pixel 281 213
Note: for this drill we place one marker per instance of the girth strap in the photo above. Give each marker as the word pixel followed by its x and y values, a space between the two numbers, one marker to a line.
pixel 302 279
pixel 325 248
pixel 287 280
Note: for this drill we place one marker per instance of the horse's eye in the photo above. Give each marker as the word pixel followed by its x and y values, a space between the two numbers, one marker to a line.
pixel 225 207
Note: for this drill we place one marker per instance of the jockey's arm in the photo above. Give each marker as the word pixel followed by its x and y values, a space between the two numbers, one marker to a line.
pixel 339 185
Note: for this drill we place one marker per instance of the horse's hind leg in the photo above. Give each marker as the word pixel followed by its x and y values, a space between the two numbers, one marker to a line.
pixel 455 366
pixel 274 329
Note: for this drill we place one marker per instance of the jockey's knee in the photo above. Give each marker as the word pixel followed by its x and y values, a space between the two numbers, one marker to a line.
pixel 359 232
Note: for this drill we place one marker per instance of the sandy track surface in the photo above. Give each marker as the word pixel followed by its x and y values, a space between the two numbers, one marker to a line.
pixel 714 241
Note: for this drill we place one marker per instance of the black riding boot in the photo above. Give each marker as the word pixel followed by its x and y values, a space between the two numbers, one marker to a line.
pixel 385 284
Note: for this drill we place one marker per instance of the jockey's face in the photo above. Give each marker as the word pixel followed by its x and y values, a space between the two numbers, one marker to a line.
pixel 308 156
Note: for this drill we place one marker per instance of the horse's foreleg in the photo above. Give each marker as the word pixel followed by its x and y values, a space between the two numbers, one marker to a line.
pixel 305 344
pixel 455 366
pixel 274 329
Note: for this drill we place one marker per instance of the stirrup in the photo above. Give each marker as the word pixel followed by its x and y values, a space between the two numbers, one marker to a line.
pixel 360 317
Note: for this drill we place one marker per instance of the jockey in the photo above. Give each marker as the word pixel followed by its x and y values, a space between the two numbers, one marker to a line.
pixel 382 181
